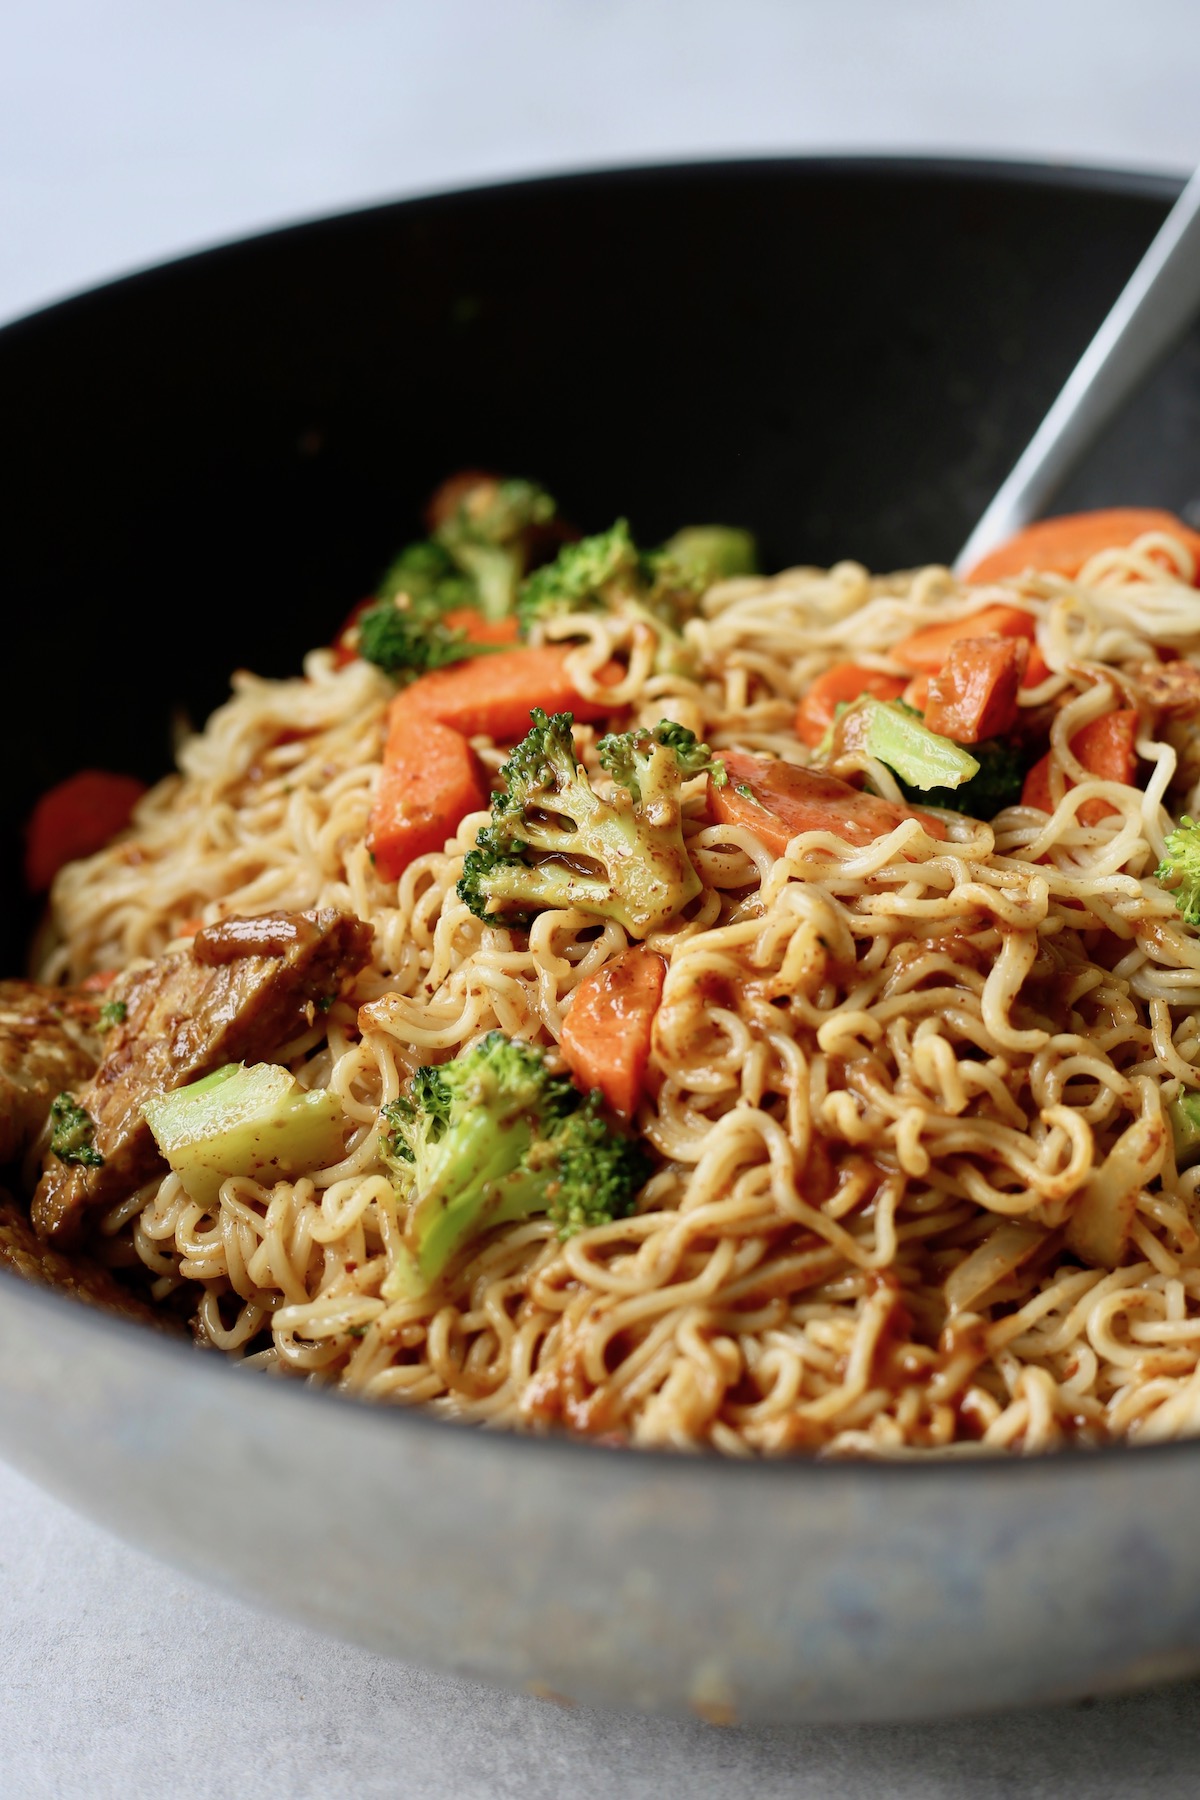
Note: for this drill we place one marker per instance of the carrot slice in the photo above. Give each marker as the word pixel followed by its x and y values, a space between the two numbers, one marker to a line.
pixel 495 694
pixel 916 694
pixel 429 782
pixel 776 800
pixel 844 681
pixel 99 982
pixel 606 1034
pixel 479 630
pixel 926 650
pixel 76 818
pixel 974 694
pixel 1061 546
pixel 1107 749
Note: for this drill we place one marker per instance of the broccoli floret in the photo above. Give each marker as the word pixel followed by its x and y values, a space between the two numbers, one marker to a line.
pixel 72 1130
pixel 113 1013
pixel 896 735
pixel 554 842
pixel 476 557
pixel 609 573
pixel 487 535
pixel 1183 861
pixel 713 552
pixel 408 637
pixel 428 574
pixel 494 1136
pixel 633 757
pixel 997 785
pixel 929 768
pixel 583 575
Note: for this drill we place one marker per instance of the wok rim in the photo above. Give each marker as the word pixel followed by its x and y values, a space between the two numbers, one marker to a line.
pixel 924 1466
pixel 1017 172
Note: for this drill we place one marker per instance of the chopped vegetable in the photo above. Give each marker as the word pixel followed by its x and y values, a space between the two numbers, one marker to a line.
pixel 659 587
pixel 974 693
pixel 495 1136
pixel 713 552
pixel 430 780
pixel 997 785
pixel 72 1130
pixel 1106 747
pixel 926 650
pixel 778 800
pixel 426 574
pixel 554 842
pixel 1184 1115
pixel 843 683
pixel 1181 865
pixel 408 637
pixel 244 1119
pixel 75 819
pixel 583 575
pixel 479 630
pixel 487 530
pixel 895 735
pixel 497 696
pixel 607 1031
pixel 1062 546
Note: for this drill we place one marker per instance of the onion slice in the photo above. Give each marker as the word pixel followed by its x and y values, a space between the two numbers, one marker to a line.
pixel 1002 1251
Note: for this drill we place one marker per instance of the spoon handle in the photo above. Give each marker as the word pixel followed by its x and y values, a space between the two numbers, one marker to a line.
pixel 1153 309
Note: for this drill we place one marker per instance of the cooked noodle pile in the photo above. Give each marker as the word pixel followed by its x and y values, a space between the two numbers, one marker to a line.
pixel 887 1083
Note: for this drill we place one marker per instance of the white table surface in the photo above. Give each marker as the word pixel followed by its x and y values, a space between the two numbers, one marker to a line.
pixel 130 132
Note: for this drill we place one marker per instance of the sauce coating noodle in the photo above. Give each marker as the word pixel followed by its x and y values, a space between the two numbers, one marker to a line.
pixel 882 1084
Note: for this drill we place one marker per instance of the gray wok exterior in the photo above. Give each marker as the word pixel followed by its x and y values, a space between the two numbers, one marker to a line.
pixel 742 1592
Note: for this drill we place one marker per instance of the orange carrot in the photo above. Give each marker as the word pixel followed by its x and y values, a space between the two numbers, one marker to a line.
pixel 777 800
pixel 479 630
pixel 1106 748
pixel 76 819
pixel 1061 546
pixel 98 982
pixel 916 694
pixel 429 782
pixel 495 694
pixel 844 681
pixel 606 1033
pixel 927 650
pixel 974 693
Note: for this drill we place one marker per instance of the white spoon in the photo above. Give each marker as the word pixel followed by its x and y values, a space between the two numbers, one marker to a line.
pixel 1155 307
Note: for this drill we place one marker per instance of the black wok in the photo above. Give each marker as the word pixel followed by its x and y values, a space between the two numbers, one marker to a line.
pixel 203 467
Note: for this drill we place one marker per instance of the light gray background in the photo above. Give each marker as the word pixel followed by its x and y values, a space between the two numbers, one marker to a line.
pixel 131 131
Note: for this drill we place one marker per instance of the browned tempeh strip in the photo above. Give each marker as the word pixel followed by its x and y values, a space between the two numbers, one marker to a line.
pixel 184 1018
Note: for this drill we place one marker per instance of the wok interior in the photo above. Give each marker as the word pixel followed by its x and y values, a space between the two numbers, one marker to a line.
pixel 207 464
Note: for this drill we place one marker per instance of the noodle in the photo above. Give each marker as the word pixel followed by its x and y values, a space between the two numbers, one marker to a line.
pixel 884 1078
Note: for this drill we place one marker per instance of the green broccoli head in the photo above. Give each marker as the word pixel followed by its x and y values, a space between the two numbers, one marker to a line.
pixel 582 576
pixel 554 842
pixel 429 576
pixel 489 534
pixel 409 637
pixel 998 783
pixel 492 1137
pixel 660 588
pixel 712 552
pixel 1181 864
pixel 646 762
